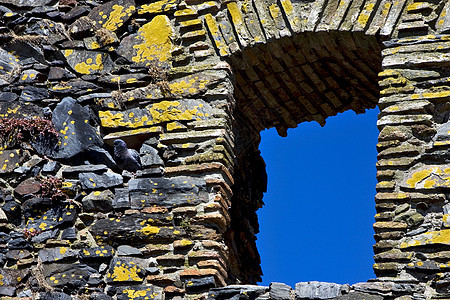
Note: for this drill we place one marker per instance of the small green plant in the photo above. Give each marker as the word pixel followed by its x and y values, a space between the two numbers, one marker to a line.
pixel 17 130
pixel 51 187
pixel 186 225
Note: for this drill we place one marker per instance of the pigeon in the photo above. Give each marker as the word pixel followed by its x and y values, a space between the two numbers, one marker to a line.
pixel 126 159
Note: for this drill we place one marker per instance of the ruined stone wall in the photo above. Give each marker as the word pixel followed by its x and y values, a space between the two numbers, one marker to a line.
pixel 189 85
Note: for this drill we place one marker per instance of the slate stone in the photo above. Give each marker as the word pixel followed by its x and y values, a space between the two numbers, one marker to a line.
pixel 2 259
pixel 57 216
pixel 74 87
pixel 98 201
pixel 13 278
pixel 168 191
pixel 431 177
pixel 31 94
pixel 152 271
pixel 81 27
pixel 121 198
pixel 74 171
pixel 43 236
pixel 9 160
pixel 19 243
pixel 97 253
pixel 76 12
pixel 35 206
pixel 125 79
pixel 132 230
pixel 51 167
pixel 125 250
pixel 156 113
pixel 4 238
pixel 95 280
pixel 194 285
pixel 317 290
pixel 231 291
pixel 26 51
pixel 13 212
pixel 69 234
pixel 18 254
pixel 72 121
pixel 280 291
pixel 106 180
pixel 424 267
pixel 151 172
pixel 29 186
pixel 7 291
pixel 54 296
pixel 359 296
pixel 72 276
pixel 58 73
pixel 58 254
pixel 31 76
pixel 97 155
pixel 113 14
pixel 142 50
pixel 126 269
pixel 8 96
pixel 88 62
pixel 374 287
pixel 150 157
pixel 9 67
pixel 27 3
pixel 147 291
pixel 99 296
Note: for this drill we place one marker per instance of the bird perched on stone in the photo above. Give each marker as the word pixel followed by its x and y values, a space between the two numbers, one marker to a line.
pixel 126 159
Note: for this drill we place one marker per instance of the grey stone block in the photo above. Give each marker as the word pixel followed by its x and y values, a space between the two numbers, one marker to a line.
pixel 317 290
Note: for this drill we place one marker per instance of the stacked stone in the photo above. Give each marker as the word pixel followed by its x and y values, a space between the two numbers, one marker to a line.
pixel 162 76
pixel 314 290
pixel 72 223
pixel 411 202
pixel 309 73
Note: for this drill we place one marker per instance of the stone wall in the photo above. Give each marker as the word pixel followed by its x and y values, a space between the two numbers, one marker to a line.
pixel 189 85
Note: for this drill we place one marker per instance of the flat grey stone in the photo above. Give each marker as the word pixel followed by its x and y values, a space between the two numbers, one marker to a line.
pixel 150 157
pixel 317 290
pixel 126 250
pixel 95 181
pixel 70 171
pixel 121 199
pixel 56 254
pixel 280 291
pixel 359 296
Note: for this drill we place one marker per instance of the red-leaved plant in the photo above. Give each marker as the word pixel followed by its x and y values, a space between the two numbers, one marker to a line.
pixel 16 130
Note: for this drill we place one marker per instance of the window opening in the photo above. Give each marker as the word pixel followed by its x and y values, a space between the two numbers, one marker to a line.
pixel 319 208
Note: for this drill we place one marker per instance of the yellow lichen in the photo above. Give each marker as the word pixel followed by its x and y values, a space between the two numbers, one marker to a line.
pixel 131 294
pixel 215 32
pixel 158 7
pixel 419 176
pixel 122 272
pixel 234 12
pixel 156 41
pixel 149 230
pixel 116 17
pixel 86 67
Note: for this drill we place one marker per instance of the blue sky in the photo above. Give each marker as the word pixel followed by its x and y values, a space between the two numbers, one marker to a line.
pixel 319 208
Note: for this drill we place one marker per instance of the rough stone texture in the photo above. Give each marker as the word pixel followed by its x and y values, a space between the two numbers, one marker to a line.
pixel 317 290
pixel 191 84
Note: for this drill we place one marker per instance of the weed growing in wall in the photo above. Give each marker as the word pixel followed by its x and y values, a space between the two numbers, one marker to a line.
pixel 17 130
pixel 51 187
